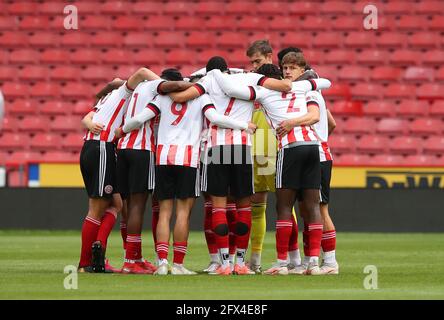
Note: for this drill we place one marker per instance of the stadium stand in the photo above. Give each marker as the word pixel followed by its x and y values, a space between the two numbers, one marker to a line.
pixel 388 81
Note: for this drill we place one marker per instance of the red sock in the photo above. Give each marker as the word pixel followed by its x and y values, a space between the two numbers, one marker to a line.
pixel 328 242
pixel 133 247
pixel 294 236
pixel 314 239
pixel 306 240
pixel 219 219
pixel 180 250
pixel 209 234
pixel 123 233
pixel 90 229
pixel 244 218
pixel 155 218
pixel 107 224
pixel 283 233
pixel 231 220
pixel 162 250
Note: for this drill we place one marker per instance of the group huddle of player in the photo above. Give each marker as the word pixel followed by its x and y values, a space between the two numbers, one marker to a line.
pixel 229 134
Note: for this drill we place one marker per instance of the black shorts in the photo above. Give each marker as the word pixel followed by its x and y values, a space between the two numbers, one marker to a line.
pixel 228 170
pixel 176 182
pixel 135 171
pixel 298 168
pixel 326 167
pixel 98 167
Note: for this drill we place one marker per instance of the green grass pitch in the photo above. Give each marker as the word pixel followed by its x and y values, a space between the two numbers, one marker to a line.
pixel 409 266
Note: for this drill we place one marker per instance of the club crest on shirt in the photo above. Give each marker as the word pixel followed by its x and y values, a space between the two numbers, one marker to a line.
pixel 108 189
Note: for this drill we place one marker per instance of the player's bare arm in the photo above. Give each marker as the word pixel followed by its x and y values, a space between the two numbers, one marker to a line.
pixel 311 117
pixel 183 96
pixel 94 127
pixel 226 122
pixel 283 85
pixel 331 122
pixel 174 86
pixel 141 75
pixel 114 84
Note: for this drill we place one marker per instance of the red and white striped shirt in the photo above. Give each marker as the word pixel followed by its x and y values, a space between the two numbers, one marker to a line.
pixel 321 127
pixel 142 138
pixel 109 112
pixel 234 108
pixel 280 106
pixel 178 140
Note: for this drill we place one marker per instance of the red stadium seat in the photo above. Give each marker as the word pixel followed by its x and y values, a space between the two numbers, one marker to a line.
pixel 330 72
pixel 114 7
pixel 440 74
pixel 137 40
pixel 33 73
pixel 271 8
pixel 85 56
pixel 14 39
pixel 379 109
pixel 412 109
pixel 412 23
pixel 75 90
pixel 10 124
pixel 187 23
pixel 387 160
pixel 24 56
pixel 33 23
pixel 76 39
pixel 9 23
pixel 430 91
pixel 427 7
pixel 436 23
pixel 359 39
pixel 24 157
pixel 106 39
pixel 157 23
pixel 55 108
pixel 147 8
pixel 372 144
pixel 347 23
pixel 44 39
pixel 397 7
pixel 13 141
pixel 98 73
pixel 60 156
pixel 419 74
pixel 14 90
pixel 147 57
pixel 16 179
pixel 399 91
pixel 51 8
pixel 406 145
pixel 421 160
pixel 221 23
pixel 391 40
pixel 360 126
pixel 199 40
pixel 437 109
pixel 8 73
pixel 303 8
pixel 391 126
pixel 169 40
pixel 88 7
pixel 404 57
pixel 335 7
pixel 73 142
pixel 178 57
pixel 317 24
pixel 372 57
pixel 205 55
pixel 426 127
pixel 424 40
pixel 354 73
pixel 34 124
pixel 342 143
pixel 367 91
pixel 337 90
pixel 386 74
pixel 95 22
pixel 293 39
pixel 314 56
pixel 83 107
pixel 434 145
pixel 232 40
pixel 238 58
pixel 22 8
pixel 64 73
pixel 346 108
pixel 45 141
pixel 56 56
pixel 63 124
pixel 126 23
pixel 353 159
pixel 45 90
pixel 178 8
pixel 340 56
pixel 20 107
pixel 209 8
pixel 116 56
pixel 327 40
pixel 125 71
pixel 282 23
pixel 241 7
pixel 253 23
